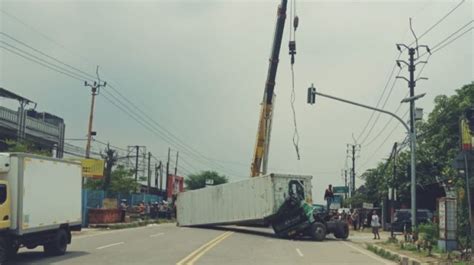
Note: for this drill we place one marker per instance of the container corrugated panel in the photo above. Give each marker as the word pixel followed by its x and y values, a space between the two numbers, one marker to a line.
pixel 245 201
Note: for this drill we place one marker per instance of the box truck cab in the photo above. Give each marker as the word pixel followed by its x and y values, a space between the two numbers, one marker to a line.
pixel 40 203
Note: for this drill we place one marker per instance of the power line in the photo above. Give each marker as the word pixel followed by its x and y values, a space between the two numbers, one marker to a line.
pixel 383 142
pixel 162 132
pixel 393 69
pixel 383 106
pixel 440 20
pixel 451 41
pixel 46 55
pixel 380 99
pixel 40 63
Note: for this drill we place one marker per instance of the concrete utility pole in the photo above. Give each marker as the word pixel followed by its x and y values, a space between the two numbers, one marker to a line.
pixel 149 173
pixel 167 171
pixel 345 182
pixel 176 164
pixel 353 169
pixel 161 176
pixel 136 162
pixel 95 89
pixel 351 151
pixel 411 84
pixel 156 175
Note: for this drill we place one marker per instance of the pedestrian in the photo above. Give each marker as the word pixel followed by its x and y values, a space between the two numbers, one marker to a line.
pixel 123 210
pixel 344 216
pixel 329 196
pixel 375 223
pixel 355 219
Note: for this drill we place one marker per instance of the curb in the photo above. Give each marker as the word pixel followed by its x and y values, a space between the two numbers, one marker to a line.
pixel 403 259
pixel 129 225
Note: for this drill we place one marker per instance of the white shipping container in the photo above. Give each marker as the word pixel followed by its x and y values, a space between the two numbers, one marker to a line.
pixel 45 192
pixel 246 201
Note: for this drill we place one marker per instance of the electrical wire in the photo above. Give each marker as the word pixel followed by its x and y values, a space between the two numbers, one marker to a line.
pixel 391 75
pixel 84 76
pixel 44 54
pixel 383 142
pixel 40 63
pixel 451 41
pixel 296 136
pixel 440 20
pixel 379 113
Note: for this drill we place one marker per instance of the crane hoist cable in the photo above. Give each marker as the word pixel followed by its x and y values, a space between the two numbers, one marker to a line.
pixel 292 52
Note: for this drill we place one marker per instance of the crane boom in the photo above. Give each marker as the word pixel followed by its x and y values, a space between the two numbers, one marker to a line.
pixel 262 144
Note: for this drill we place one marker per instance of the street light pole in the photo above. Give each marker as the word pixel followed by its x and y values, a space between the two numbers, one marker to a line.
pixel 311 100
pixel 361 105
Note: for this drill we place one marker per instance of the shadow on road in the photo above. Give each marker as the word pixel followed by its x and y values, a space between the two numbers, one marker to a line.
pixel 38 257
pixel 259 231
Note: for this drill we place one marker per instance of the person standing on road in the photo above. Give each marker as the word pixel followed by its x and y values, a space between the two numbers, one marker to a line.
pixel 329 196
pixel 355 219
pixel 375 223
pixel 123 210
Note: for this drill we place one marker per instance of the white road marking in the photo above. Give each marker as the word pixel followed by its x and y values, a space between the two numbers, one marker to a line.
pixel 111 245
pixel 100 233
pixel 368 253
pixel 155 235
pixel 299 252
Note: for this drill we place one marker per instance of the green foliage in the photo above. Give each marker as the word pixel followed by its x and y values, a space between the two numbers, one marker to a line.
pixel 26 147
pixel 383 253
pixel 429 232
pixel 437 145
pixel 198 181
pixel 121 181
pixel 357 200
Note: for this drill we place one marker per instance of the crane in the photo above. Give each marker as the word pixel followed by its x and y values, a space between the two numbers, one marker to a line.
pixel 262 145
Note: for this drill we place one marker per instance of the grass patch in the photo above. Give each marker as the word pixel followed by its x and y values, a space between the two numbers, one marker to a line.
pixel 383 253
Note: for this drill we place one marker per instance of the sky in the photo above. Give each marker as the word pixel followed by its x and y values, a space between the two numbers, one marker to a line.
pixel 198 69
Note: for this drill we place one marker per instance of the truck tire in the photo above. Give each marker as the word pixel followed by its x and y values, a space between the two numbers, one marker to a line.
pixel 12 250
pixel 317 231
pixel 342 230
pixel 3 250
pixel 58 245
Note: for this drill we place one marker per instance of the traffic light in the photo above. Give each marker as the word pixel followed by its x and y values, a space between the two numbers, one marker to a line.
pixel 311 94
pixel 469 113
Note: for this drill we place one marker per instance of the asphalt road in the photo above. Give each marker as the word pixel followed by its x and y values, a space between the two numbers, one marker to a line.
pixel 168 244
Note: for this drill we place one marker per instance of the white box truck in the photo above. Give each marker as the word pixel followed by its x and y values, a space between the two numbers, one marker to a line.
pixel 282 201
pixel 40 203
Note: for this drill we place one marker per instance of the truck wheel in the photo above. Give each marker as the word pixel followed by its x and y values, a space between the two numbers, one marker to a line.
pixel 58 245
pixel 3 250
pixel 12 250
pixel 342 231
pixel 317 231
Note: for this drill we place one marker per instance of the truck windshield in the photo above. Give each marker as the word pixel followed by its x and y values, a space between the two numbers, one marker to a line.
pixel 3 193
pixel 296 189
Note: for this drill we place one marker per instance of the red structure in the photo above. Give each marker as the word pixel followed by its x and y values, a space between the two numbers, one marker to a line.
pixel 175 185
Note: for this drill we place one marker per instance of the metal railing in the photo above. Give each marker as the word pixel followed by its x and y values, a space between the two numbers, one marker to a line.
pixel 31 123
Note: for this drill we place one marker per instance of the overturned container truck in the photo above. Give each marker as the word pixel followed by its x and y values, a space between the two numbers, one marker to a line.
pixel 277 200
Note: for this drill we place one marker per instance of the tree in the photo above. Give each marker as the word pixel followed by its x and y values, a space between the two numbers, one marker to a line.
pixel 110 160
pixel 26 147
pixel 437 146
pixel 121 181
pixel 198 181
